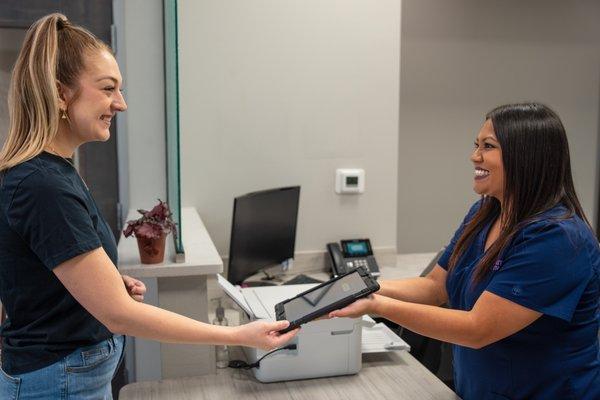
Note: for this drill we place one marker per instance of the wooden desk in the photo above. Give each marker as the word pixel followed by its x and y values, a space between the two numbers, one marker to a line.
pixel 394 375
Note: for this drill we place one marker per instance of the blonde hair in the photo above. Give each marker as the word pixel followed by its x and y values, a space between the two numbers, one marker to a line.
pixel 54 51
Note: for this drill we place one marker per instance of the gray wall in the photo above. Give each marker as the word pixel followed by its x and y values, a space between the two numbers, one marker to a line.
pixel 10 44
pixel 460 59
pixel 278 93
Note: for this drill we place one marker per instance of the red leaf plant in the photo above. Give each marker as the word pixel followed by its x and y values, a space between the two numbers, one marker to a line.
pixel 152 224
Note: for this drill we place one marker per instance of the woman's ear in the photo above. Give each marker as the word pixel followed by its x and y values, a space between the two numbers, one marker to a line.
pixel 64 95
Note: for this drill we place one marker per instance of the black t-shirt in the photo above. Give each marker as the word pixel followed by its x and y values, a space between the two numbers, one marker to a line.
pixel 47 216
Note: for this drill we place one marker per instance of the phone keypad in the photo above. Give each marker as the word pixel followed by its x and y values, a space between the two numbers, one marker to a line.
pixel 361 262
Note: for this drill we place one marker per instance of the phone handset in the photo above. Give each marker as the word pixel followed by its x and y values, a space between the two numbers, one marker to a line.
pixel 338 264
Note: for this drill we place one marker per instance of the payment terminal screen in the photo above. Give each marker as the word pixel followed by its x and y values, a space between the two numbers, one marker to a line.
pixel 320 298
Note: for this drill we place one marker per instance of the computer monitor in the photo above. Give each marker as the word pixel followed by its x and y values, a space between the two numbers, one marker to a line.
pixel 263 231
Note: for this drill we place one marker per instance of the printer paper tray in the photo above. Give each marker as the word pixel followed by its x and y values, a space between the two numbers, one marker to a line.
pixel 378 338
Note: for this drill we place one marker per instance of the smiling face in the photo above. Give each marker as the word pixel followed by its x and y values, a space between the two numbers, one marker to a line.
pixel 94 102
pixel 487 159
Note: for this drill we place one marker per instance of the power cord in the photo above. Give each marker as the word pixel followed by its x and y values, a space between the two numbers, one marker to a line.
pixel 241 364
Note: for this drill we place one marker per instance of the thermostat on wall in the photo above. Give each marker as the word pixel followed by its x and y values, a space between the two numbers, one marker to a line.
pixel 349 180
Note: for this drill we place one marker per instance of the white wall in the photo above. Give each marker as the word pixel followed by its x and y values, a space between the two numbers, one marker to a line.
pixel 283 92
pixel 462 58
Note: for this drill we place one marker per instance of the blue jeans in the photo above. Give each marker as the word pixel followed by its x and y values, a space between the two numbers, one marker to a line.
pixel 84 374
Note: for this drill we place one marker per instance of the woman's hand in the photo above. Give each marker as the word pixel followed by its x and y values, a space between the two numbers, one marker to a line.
pixel 357 309
pixel 135 288
pixel 264 334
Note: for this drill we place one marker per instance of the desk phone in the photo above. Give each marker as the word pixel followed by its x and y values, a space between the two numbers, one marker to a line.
pixel 352 254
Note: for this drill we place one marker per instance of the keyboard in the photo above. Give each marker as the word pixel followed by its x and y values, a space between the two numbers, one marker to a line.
pixel 301 280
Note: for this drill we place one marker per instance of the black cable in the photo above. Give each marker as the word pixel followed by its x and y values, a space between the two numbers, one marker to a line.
pixel 241 364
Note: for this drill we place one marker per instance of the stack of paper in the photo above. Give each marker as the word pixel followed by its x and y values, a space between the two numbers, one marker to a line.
pixel 378 338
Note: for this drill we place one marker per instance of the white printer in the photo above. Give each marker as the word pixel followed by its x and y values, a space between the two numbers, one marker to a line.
pixel 327 347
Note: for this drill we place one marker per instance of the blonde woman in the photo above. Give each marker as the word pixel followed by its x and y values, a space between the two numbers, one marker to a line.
pixel 67 304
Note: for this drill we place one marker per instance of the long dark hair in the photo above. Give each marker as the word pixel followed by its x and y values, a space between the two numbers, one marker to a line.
pixel 537 177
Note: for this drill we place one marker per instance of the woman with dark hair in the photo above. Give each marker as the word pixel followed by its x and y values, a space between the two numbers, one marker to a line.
pixel 521 274
pixel 68 307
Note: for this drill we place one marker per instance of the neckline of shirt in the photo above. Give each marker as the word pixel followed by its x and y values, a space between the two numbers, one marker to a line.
pixel 57 157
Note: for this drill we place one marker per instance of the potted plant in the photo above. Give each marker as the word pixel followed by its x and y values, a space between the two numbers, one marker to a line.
pixel 151 230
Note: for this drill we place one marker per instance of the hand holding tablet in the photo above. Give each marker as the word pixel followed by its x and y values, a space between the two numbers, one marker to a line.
pixel 329 296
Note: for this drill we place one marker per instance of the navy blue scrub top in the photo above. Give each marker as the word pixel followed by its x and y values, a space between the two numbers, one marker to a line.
pixel 552 266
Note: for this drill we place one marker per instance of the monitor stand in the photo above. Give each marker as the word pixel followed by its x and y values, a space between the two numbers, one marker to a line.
pixel 266 280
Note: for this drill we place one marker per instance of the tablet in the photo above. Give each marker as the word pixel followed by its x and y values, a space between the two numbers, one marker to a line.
pixel 320 300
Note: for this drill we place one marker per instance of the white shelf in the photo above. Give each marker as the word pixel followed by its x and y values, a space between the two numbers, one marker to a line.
pixel 201 256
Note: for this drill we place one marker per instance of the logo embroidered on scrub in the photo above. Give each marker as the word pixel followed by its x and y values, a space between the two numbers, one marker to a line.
pixel 497 265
